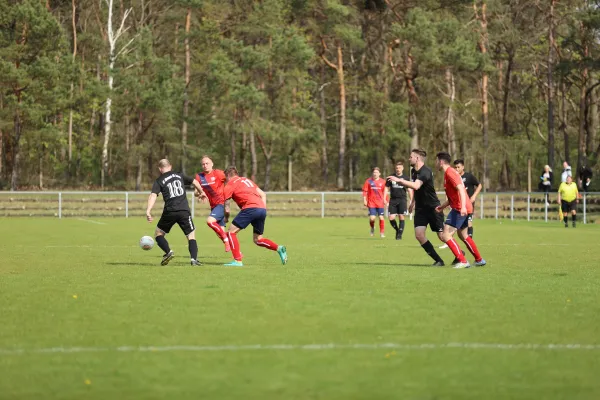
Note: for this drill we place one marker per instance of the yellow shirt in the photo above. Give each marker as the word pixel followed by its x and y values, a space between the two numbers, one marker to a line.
pixel 568 192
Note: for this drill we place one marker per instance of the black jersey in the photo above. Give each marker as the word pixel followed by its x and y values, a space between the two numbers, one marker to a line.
pixel 172 186
pixel 425 197
pixel 397 190
pixel 470 183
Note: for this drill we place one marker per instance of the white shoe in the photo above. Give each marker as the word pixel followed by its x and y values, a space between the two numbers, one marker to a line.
pixel 382 235
pixel 462 265
pixel 444 246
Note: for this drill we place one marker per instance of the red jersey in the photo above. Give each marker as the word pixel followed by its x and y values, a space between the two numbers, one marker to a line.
pixel 212 183
pixel 244 192
pixel 374 190
pixel 451 180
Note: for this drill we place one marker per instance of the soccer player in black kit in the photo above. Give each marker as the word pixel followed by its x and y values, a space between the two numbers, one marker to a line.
pixel 473 188
pixel 176 211
pixel 397 205
pixel 424 202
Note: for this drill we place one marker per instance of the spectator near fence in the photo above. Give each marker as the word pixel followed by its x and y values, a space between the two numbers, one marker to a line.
pixel 566 172
pixel 546 182
pixel 585 178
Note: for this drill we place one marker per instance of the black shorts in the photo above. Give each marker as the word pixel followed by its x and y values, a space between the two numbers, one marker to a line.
pixel 434 219
pixel 182 218
pixel 567 206
pixel 397 206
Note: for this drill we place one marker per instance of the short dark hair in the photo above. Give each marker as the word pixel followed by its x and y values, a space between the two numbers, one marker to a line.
pixel 444 156
pixel 459 161
pixel 231 171
pixel 420 152
pixel 375 169
pixel 400 163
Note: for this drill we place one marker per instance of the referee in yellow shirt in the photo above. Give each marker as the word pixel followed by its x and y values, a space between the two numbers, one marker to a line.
pixel 567 198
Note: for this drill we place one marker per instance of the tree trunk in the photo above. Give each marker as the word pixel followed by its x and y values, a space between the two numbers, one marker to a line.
pixel 413 100
pixel 138 177
pixel 253 160
pixel 451 137
pixel 323 113
pixel 186 100
pixel 268 155
pixel 244 154
pixel 564 121
pixel 483 43
pixel 290 165
pixel 41 167
pixel 232 144
pixel 506 94
pixel 581 149
pixel 342 143
pixel 551 44
pixel 107 123
pixel 594 123
pixel 16 151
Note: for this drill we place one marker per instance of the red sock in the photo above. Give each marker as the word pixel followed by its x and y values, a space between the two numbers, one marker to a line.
pixel 267 243
pixel 235 246
pixel 372 223
pixel 472 248
pixel 217 228
pixel 456 250
pixel 381 226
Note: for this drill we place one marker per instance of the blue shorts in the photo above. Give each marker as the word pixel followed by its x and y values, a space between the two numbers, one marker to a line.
pixel 254 216
pixel 456 220
pixel 376 211
pixel 218 213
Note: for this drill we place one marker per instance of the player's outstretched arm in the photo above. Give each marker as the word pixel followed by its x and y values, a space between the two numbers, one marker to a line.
pixel 151 201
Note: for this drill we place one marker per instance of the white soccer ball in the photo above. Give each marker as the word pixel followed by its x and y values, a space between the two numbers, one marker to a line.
pixel 146 243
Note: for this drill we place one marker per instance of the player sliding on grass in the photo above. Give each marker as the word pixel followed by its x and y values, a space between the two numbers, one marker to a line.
pixel 458 217
pixel 172 186
pixel 212 182
pixel 253 202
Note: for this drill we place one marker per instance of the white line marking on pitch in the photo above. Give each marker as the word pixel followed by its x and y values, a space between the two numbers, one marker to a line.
pixel 313 347
pixel 91 221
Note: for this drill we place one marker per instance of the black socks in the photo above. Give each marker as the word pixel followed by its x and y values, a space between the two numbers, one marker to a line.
pixel 161 241
pixel 428 247
pixel 394 224
pixel 193 246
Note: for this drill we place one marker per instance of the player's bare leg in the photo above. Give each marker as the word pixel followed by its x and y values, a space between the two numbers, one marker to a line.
pixel 259 240
pixel 161 241
pixel 214 225
pixel 427 246
pixel 372 223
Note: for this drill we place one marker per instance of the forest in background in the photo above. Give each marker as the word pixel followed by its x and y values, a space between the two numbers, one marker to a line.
pixel 95 92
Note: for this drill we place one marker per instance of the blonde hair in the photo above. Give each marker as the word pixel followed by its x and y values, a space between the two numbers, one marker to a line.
pixel 548 167
pixel 164 163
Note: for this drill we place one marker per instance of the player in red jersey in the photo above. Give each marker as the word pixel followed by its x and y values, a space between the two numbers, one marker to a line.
pixel 458 217
pixel 213 182
pixel 253 202
pixel 374 199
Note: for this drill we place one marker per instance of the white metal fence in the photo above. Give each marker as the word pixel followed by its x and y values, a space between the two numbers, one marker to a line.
pixel 517 205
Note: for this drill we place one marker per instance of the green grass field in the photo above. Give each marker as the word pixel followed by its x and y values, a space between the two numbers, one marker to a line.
pixel 86 314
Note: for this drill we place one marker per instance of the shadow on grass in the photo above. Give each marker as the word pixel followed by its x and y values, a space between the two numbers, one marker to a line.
pixel 393 265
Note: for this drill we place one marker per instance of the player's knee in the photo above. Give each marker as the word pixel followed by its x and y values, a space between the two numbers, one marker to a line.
pixel 257 239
